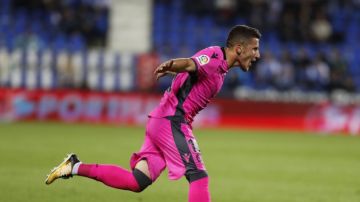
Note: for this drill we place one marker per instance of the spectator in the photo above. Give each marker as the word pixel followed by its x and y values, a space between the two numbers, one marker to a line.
pixel 258 13
pixel 232 81
pixel 28 40
pixel 339 76
pixel 225 11
pixel 288 27
pixel 338 64
pixel 321 28
pixel 275 8
pixel 286 78
pixel 301 61
pixel 87 17
pixel 267 71
pixel 317 74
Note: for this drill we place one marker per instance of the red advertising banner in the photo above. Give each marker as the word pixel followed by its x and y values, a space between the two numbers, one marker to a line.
pixel 132 108
pixel 82 106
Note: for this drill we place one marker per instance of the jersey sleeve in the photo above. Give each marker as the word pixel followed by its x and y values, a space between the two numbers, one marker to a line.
pixel 205 64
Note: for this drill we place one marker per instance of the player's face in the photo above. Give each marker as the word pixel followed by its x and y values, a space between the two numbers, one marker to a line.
pixel 249 54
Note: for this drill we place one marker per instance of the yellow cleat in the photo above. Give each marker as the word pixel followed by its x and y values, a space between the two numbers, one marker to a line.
pixel 63 170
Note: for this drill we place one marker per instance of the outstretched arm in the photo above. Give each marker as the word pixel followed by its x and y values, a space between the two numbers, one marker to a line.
pixel 175 66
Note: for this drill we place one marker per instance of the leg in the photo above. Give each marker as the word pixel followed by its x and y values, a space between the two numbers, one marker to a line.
pixel 143 167
pixel 195 170
pixel 146 167
pixel 110 175
pixel 182 155
pixel 116 176
pixel 199 190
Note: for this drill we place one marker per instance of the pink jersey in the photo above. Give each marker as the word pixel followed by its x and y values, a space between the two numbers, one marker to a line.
pixel 191 92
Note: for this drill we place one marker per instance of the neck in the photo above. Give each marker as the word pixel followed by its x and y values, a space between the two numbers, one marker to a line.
pixel 230 57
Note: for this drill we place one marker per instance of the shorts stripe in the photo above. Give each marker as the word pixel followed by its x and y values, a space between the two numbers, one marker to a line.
pixel 192 172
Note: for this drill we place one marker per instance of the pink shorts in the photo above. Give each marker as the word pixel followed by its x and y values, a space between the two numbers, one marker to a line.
pixel 169 143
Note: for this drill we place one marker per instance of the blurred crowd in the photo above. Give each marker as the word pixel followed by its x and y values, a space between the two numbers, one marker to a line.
pixel 65 24
pixel 307 45
pixel 291 20
pixel 323 73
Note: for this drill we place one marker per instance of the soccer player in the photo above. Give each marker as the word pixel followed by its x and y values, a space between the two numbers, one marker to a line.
pixel 169 141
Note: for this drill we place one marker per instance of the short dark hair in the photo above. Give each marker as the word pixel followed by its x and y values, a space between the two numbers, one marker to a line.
pixel 241 34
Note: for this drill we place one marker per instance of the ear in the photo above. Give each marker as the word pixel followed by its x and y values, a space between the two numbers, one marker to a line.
pixel 239 50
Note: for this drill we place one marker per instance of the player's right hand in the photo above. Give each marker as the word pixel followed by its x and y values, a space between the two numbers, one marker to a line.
pixel 166 66
pixel 162 69
pixel 159 75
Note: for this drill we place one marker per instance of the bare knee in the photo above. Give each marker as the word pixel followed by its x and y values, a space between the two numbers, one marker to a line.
pixel 143 167
pixel 142 175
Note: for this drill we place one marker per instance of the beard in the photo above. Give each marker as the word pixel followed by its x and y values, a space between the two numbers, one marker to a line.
pixel 244 69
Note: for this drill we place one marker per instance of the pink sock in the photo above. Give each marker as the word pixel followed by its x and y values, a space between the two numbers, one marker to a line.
pixel 199 190
pixel 111 175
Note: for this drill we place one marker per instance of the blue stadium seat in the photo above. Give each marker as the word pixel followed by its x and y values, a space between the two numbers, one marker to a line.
pixel 9 40
pixel 60 41
pixel 5 5
pixel 76 43
pixel 207 25
pixel 20 21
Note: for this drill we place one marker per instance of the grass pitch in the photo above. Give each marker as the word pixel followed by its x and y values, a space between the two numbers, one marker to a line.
pixel 244 166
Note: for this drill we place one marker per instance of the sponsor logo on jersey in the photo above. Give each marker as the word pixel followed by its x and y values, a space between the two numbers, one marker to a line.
pixel 203 59
pixel 186 157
